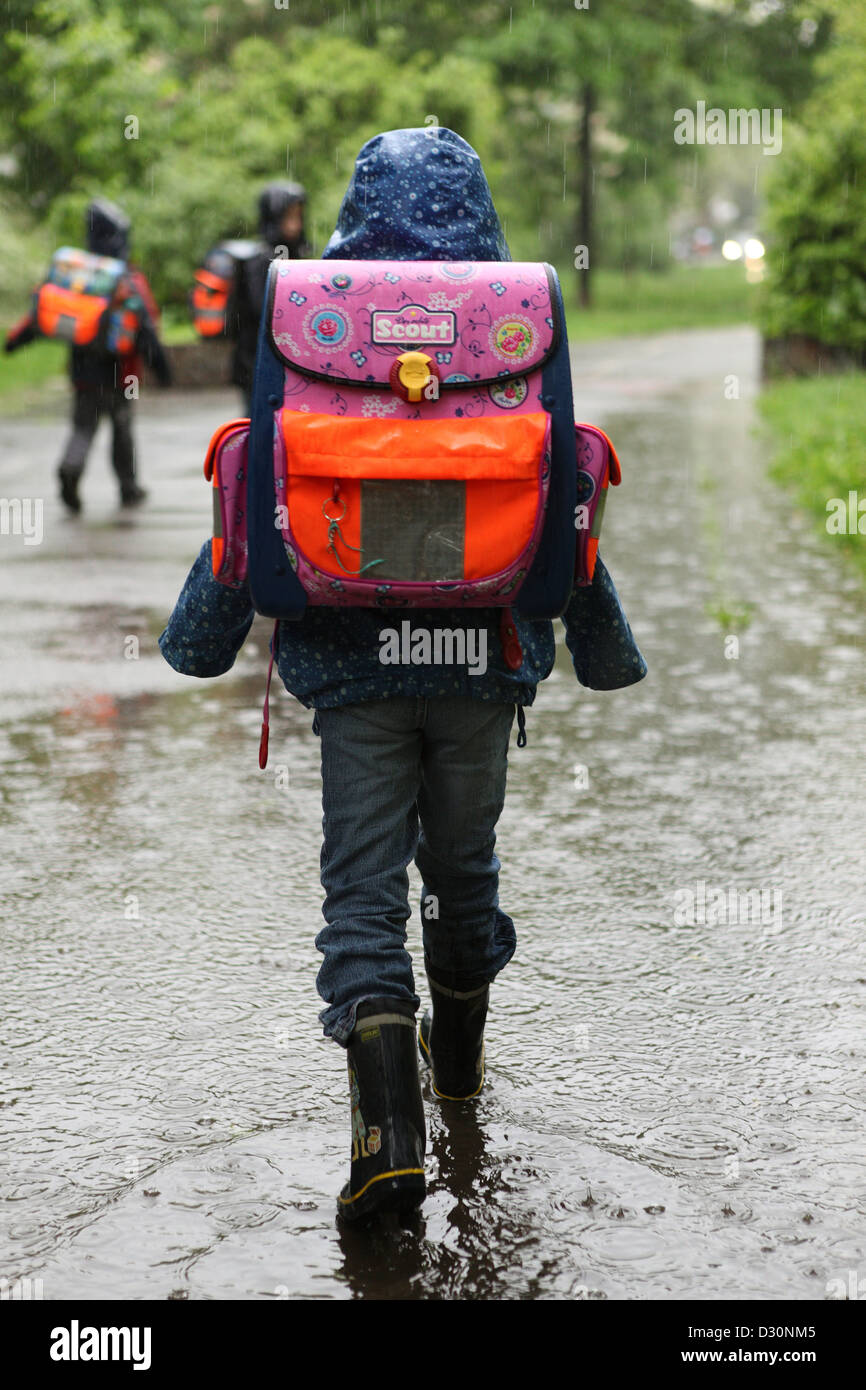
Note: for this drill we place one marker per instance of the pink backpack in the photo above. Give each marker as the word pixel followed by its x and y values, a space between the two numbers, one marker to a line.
pixel 411 443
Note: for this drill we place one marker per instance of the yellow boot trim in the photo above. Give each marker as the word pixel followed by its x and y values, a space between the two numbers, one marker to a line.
pixel 395 1173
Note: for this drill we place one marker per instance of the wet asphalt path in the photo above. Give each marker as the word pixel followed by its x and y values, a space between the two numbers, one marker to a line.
pixel 674 1110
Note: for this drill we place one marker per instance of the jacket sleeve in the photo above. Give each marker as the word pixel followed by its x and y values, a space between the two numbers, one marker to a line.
pixel 21 333
pixel 147 342
pixel 234 305
pixel 142 285
pixel 209 624
pixel 597 633
pixel 151 349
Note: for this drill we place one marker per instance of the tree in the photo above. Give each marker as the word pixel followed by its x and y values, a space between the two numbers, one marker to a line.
pixel 817 202
pixel 181 114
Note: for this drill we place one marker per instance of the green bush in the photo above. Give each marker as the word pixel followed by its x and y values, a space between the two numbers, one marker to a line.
pixel 816 432
pixel 817 227
pixel 816 217
pixel 272 110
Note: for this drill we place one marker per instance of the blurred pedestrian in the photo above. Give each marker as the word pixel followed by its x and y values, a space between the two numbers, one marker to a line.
pixel 105 382
pixel 281 225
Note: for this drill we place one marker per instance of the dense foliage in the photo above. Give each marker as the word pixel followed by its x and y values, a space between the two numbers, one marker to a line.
pixel 817 203
pixel 182 112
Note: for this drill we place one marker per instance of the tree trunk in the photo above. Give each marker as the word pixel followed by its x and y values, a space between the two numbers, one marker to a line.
pixel 584 234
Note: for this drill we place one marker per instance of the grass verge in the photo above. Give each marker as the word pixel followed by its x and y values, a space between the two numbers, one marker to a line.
pixel 32 375
pixel 647 302
pixel 816 428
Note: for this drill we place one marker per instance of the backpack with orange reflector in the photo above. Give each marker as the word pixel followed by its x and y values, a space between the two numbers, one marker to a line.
pixel 214 281
pixel 89 301
pixel 412 444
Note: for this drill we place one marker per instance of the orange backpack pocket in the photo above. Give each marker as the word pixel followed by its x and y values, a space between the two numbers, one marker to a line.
pixel 70 314
pixel 414 502
pixel 208 301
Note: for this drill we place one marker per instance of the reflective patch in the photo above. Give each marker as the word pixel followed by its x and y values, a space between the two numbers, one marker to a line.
pixel 585 486
pixel 416 526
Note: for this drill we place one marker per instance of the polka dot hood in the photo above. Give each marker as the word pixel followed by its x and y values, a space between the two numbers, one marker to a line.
pixel 418 195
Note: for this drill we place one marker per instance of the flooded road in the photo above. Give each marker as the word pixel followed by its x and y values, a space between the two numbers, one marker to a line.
pixel 676 1054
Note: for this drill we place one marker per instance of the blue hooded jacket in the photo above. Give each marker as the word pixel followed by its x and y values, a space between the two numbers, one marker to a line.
pixel 418 194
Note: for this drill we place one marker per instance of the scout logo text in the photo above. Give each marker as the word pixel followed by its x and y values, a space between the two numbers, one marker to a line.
pixel 414 324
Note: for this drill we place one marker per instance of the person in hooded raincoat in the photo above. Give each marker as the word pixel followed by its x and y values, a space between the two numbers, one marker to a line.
pixel 99 378
pixel 413 757
pixel 281 225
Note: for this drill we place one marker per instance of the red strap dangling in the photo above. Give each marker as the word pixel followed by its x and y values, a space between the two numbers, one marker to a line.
pixel 266 711
pixel 263 747
pixel 511 648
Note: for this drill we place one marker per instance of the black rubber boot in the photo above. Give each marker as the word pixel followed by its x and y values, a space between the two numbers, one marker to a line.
pixel 69 490
pixel 133 496
pixel 451 1040
pixel 388 1131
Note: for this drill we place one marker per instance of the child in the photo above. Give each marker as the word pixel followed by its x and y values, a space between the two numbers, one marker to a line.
pixel 281 224
pixel 413 757
pixel 99 378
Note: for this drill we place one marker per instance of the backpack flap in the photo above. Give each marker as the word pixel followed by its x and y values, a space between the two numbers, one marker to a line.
pixel 412 435
pixel 597 467
pixel 225 466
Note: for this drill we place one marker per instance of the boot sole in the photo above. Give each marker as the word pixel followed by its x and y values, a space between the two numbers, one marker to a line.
pixel 402 1190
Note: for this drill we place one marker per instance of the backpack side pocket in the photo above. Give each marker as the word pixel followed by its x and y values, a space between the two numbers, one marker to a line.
pixel 597 467
pixel 225 467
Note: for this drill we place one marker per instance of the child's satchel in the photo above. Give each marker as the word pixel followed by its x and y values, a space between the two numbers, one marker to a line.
pixel 214 282
pixel 88 300
pixel 412 443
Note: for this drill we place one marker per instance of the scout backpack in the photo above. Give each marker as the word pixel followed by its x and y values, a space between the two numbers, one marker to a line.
pixel 214 282
pixel 412 443
pixel 88 300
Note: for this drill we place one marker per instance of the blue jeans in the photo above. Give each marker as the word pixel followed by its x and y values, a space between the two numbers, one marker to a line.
pixel 409 778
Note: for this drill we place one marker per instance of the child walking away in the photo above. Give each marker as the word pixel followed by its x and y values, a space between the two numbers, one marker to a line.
pixel 281 226
pixel 420 463
pixel 104 308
